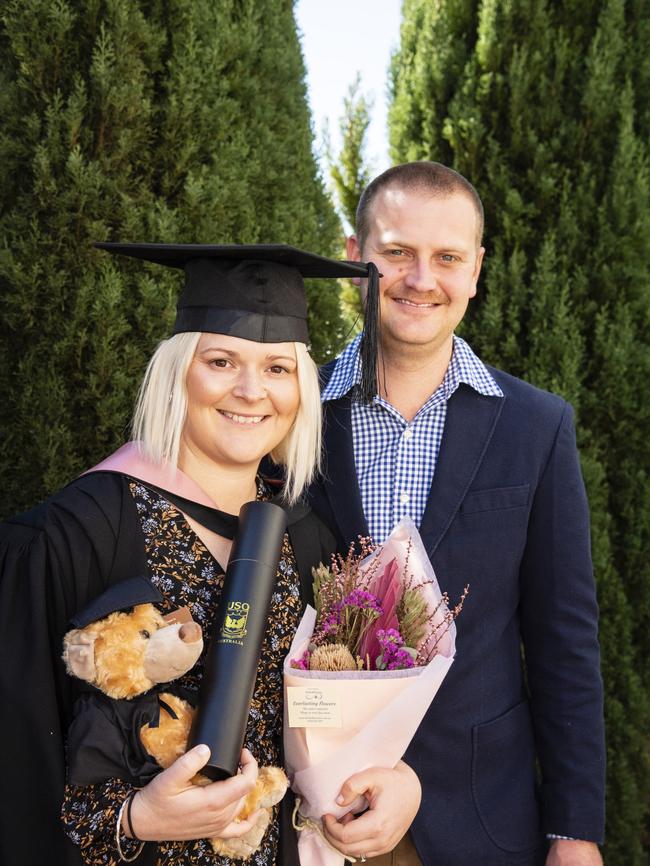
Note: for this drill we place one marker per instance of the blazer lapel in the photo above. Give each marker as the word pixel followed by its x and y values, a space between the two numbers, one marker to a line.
pixel 340 476
pixel 469 425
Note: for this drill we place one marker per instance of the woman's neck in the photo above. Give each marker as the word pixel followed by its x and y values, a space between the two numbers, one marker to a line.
pixel 228 487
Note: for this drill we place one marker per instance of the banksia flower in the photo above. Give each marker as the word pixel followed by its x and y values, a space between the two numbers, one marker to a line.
pixel 332 657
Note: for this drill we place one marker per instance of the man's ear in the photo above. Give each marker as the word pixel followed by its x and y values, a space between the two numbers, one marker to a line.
pixel 477 269
pixel 352 249
pixel 353 253
pixel 79 654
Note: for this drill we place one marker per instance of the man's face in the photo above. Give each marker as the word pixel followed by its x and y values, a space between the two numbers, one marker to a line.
pixel 427 250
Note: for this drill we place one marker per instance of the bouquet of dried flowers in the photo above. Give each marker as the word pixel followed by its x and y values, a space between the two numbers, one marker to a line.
pixel 375 615
pixel 382 638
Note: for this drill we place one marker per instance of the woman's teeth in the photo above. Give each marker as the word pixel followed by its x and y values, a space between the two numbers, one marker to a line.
pixel 243 419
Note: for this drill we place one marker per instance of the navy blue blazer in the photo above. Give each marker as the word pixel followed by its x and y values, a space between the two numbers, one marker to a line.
pixel 512 747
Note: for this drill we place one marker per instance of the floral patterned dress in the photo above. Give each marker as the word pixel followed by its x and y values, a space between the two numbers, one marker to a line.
pixel 187 574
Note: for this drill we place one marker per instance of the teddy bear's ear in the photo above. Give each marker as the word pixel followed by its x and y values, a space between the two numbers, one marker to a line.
pixel 79 654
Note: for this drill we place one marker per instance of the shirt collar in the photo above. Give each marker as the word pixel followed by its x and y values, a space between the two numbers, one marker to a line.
pixel 465 367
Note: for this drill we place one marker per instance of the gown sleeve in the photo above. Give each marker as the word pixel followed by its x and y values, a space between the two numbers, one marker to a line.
pixel 53 560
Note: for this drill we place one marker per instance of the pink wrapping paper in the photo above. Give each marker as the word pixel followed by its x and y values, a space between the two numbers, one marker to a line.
pixel 380 711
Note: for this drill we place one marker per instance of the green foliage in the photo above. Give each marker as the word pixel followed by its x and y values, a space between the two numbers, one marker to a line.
pixel 180 121
pixel 349 171
pixel 350 175
pixel 545 107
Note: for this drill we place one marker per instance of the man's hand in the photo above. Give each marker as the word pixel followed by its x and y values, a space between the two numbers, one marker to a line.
pixel 393 798
pixel 570 852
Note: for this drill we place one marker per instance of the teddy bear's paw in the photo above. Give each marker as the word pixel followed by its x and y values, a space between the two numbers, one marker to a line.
pixel 168 740
pixel 270 788
pixel 201 780
pixel 243 847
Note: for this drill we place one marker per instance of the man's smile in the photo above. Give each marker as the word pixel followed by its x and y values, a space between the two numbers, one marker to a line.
pixel 407 302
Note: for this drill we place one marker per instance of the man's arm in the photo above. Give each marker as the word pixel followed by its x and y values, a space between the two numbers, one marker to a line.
pixel 559 623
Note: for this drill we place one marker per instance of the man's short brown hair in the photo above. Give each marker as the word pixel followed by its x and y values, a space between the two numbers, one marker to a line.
pixel 422 176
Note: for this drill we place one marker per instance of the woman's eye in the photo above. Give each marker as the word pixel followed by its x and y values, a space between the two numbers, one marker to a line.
pixel 219 362
pixel 278 369
pixel 145 634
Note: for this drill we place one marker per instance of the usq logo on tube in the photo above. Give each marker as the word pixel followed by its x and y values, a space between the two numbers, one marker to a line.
pixel 234 626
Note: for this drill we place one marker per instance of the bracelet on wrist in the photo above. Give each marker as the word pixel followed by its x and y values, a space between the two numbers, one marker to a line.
pixel 126 805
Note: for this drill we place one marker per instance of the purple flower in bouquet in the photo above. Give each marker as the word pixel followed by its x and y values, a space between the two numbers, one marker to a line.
pixel 302 664
pixel 394 655
pixel 363 600
pixel 331 623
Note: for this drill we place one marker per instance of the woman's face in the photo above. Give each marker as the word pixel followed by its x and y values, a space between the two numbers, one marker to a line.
pixel 242 398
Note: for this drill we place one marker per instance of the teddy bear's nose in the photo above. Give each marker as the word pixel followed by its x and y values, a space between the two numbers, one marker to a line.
pixel 190 632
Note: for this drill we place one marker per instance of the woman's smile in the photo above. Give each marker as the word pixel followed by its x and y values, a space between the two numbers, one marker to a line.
pixel 242 419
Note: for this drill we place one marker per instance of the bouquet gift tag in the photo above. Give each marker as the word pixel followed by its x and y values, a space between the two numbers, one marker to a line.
pixel 313 707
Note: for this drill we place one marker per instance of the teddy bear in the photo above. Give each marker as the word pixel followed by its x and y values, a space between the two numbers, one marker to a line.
pixel 123 648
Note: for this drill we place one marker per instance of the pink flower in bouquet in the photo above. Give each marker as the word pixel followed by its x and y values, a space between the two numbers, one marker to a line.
pixel 388 587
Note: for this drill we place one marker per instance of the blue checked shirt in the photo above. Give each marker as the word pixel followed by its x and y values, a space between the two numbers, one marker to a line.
pixel 395 459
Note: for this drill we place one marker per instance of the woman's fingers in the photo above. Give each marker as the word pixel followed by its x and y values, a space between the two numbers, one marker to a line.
pixel 170 807
pixel 247 763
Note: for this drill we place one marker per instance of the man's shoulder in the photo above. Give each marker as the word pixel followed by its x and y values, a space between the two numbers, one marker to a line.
pixel 522 393
pixel 520 389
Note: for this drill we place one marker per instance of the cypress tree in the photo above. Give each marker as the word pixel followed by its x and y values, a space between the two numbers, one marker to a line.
pixel 350 174
pixel 546 108
pixel 183 121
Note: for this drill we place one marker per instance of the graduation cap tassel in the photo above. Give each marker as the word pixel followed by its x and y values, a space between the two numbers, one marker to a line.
pixel 370 339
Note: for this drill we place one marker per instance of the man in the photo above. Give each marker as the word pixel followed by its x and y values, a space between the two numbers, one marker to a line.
pixel 511 753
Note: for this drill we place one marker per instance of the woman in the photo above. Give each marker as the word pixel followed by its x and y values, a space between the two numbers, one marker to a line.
pixel 233 384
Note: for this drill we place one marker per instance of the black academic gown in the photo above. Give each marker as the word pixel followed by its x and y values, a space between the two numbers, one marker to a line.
pixel 53 560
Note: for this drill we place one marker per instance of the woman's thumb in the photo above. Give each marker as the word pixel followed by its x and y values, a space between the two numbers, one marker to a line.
pixel 187 766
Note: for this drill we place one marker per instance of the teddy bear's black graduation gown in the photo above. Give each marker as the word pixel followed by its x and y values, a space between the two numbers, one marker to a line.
pixel 53 560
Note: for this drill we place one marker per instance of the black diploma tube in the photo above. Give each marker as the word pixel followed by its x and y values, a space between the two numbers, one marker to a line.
pixel 234 654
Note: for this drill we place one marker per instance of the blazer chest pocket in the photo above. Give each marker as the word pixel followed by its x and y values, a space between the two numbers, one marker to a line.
pixel 504 785
pixel 496 499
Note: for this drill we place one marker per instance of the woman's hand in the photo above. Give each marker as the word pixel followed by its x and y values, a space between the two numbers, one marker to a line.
pixel 170 807
pixel 393 798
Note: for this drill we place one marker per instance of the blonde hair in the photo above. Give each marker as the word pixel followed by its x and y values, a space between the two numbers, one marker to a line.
pixel 161 408
pixel 300 450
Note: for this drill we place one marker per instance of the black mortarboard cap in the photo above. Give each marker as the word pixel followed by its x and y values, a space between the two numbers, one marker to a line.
pixel 256 291
pixel 120 596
